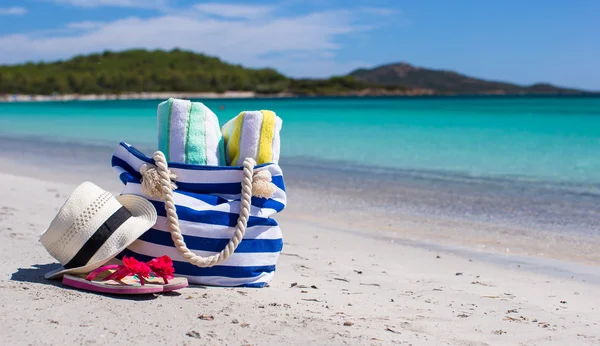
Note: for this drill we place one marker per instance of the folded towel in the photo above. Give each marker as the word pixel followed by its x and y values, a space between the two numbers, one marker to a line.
pixel 189 132
pixel 252 134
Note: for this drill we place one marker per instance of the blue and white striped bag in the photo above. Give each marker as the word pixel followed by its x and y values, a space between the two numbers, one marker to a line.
pixel 207 201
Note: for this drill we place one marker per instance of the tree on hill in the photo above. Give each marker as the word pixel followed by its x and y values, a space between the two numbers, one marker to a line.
pixel 157 71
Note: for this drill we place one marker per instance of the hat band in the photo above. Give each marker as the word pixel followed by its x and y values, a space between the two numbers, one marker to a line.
pixel 89 249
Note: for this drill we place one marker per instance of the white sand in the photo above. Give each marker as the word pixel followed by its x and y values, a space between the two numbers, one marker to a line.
pixel 388 293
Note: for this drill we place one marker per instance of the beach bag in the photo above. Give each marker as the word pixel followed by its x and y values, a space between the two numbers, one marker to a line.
pixel 224 236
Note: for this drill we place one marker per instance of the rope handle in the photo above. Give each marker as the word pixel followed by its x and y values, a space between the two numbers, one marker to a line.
pixel 158 182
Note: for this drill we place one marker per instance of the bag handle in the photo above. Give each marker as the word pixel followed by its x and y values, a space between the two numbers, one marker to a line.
pixel 158 182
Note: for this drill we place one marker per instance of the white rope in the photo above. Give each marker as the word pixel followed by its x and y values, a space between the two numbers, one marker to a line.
pixel 157 182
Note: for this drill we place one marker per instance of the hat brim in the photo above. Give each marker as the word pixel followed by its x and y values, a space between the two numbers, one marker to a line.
pixel 143 217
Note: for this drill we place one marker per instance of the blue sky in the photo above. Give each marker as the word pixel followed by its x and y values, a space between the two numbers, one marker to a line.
pixel 518 41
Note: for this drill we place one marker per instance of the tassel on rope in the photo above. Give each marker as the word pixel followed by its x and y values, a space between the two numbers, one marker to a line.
pixel 262 186
pixel 151 182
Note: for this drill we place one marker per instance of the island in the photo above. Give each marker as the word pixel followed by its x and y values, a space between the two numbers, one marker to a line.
pixel 156 74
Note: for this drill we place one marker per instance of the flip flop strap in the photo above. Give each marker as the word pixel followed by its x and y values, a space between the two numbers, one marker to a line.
pixel 92 275
pixel 121 271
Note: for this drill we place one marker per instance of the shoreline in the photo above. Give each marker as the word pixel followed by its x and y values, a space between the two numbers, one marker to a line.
pixel 416 93
pixel 488 216
pixel 232 94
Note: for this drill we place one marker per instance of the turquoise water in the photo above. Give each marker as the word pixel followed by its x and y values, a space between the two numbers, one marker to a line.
pixel 545 139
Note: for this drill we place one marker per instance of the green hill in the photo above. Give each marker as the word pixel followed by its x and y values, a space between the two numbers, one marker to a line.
pixel 448 82
pixel 160 71
pixel 135 71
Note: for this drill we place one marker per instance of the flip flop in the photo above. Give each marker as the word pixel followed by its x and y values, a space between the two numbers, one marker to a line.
pixel 131 277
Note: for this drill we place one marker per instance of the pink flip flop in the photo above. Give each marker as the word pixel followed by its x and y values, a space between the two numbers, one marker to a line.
pixel 131 277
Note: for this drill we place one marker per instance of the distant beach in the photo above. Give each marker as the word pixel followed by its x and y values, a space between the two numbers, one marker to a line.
pixel 195 95
pixel 124 96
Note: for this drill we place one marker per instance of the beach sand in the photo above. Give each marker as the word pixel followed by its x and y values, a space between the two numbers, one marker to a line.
pixel 340 280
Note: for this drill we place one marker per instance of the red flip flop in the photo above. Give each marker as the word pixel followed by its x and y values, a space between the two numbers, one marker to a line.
pixel 131 277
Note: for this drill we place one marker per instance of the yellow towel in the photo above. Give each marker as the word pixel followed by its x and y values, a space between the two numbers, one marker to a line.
pixel 252 134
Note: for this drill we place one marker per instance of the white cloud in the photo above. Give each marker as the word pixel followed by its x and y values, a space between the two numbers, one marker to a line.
pixel 397 15
pixel 301 44
pixel 234 10
pixel 85 25
pixel 12 11
pixel 114 3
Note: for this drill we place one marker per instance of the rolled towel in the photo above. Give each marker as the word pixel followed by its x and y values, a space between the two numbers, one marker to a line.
pixel 252 134
pixel 189 132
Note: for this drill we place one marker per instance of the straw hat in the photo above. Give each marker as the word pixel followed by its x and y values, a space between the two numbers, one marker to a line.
pixel 93 226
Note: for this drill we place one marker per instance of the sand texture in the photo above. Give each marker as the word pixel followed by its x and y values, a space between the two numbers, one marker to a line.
pixel 332 287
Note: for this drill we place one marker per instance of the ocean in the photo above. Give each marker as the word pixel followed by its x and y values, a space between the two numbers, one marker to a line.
pixel 539 139
pixel 522 168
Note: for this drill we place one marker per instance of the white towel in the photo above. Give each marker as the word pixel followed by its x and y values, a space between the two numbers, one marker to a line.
pixel 189 132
